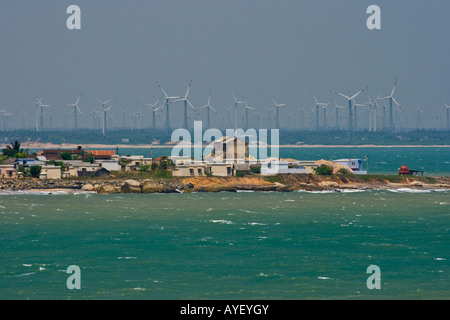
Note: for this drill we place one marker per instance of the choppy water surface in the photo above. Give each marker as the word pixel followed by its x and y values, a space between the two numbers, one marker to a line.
pixel 246 245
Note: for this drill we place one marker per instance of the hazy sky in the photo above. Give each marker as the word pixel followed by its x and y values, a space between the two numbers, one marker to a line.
pixel 255 48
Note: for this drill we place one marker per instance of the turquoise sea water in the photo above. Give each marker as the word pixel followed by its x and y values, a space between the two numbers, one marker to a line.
pixel 435 161
pixel 245 245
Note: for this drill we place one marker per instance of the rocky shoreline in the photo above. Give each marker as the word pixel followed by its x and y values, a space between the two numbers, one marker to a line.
pixel 281 183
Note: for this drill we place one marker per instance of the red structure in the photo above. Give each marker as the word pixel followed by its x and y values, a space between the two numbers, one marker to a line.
pixel 403 171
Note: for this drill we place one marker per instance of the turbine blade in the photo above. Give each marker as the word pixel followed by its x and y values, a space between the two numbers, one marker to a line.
pixel 342 95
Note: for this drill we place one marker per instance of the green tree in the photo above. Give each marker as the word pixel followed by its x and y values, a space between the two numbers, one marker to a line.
pixel 144 168
pixel 35 171
pixel 66 155
pixel 13 149
pixel 89 158
pixel 324 170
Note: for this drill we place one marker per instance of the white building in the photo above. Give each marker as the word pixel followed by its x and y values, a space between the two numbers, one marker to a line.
pixel 354 164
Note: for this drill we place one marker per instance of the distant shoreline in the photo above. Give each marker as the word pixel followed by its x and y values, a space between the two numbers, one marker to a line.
pixel 37 145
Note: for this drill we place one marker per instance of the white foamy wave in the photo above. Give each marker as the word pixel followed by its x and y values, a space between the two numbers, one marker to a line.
pixel 351 190
pixel 256 224
pixel 410 190
pixel 222 221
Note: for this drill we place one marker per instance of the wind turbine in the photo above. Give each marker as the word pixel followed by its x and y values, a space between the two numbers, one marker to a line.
pixel 302 117
pixel 24 119
pixel 391 99
pixel 350 99
pixel 316 108
pixel 246 108
pixel 105 110
pixel 186 103
pixel 39 113
pixel 373 105
pixel 154 109
pixel 166 105
pixel 336 111
pixel 355 105
pixel 419 112
pixel 123 116
pixel 208 107
pixel 236 102
pixel 5 115
pixel 277 112
pixel 447 109
pixel 75 110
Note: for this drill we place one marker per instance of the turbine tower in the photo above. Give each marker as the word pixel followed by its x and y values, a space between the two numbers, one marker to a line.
pixel 208 107
pixel 447 109
pixel 39 113
pixel 247 107
pixel 75 110
pixel 166 105
pixel 236 102
pixel 123 116
pixel 336 111
pixel 105 110
pixel 391 99
pixel 277 112
pixel 355 118
pixel 316 108
pixel 154 109
pixel 186 103
pixel 419 112
pixel 350 113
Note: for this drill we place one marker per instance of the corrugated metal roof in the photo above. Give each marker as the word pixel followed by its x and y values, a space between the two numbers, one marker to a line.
pixel 101 152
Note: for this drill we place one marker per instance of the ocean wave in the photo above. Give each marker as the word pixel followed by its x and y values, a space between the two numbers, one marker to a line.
pixel 222 221
pixel 410 190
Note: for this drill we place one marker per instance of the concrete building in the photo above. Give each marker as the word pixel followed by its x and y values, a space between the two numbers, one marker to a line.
pixel 228 149
pixel 110 165
pixel 189 170
pixel 220 169
pixel 283 167
pixel 354 164
pixel 133 162
pixel 50 172
pixel 7 171
pixel 75 167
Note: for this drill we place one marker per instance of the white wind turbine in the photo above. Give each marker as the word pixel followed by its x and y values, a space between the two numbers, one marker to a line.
pixel 373 108
pixel 39 113
pixel 419 112
pixel 186 103
pixel 447 109
pixel 123 116
pixel 208 107
pixel 24 119
pixel 75 110
pixel 236 102
pixel 105 110
pixel 355 105
pixel 316 108
pixel 277 112
pixel 391 99
pixel 301 115
pixel 154 109
pixel 166 105
pixel 246 108
pixel 5 115
pixel 336 111
pixel 350 99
